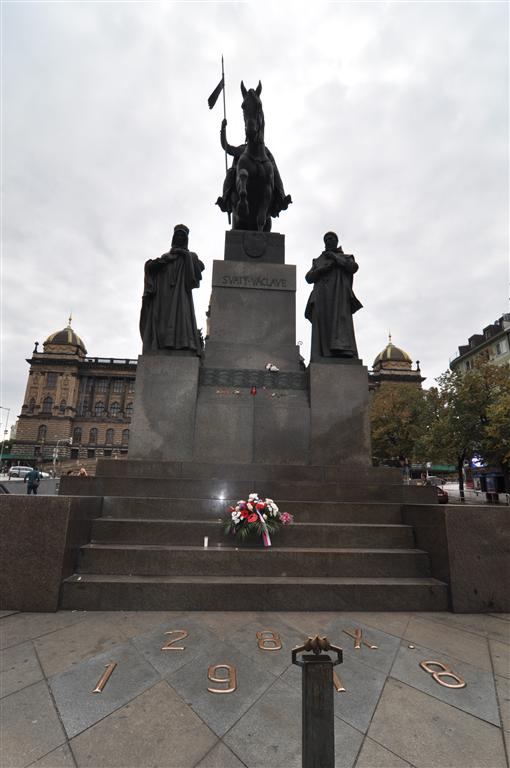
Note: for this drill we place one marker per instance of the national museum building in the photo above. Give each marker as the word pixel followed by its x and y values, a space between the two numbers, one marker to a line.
pixel 78 404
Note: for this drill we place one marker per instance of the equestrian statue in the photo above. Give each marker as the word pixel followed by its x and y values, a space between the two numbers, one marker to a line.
pixel 253 190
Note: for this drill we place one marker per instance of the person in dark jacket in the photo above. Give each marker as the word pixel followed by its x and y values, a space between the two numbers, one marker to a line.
pixel 32 480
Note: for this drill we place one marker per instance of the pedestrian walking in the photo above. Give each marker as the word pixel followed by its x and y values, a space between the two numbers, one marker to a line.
pixel 32 480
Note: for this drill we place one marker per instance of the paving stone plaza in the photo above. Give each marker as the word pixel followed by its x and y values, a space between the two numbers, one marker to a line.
pixel 155 710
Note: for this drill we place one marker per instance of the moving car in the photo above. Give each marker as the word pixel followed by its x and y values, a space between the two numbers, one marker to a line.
pixel 19 471
pixel 22 471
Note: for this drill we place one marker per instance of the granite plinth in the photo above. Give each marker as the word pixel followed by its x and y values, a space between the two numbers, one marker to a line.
pixel 41 536
pixel 469 547
pixel 260 428
pixel 164 417
pixel 267 247
pixel 339 423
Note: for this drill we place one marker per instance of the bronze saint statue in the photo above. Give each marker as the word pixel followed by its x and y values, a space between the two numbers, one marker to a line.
pixel 332 303
pixel 253 189
pixel 167 319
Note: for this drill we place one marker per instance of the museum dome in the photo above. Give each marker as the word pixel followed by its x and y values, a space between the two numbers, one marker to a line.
pixel 391 354
pixel 65 338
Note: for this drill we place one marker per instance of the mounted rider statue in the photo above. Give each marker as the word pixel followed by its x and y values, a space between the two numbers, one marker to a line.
pixel 253 190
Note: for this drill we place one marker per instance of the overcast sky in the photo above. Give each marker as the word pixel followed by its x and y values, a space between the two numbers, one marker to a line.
pixel 388 122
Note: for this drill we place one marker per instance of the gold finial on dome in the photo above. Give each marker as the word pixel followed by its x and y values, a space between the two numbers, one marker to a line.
pixel 389 337
pixel 70 319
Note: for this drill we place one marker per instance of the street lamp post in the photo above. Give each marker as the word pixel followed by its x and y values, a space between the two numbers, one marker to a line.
pixel 5 432
pixel 67 441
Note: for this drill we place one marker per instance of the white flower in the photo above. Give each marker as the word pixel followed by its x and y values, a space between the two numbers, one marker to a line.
pixel 265 517
pixel 253 497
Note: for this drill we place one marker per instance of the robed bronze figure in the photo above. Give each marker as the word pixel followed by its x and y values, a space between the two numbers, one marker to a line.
pixel 253 190
pixel 167 319
pixel 332 303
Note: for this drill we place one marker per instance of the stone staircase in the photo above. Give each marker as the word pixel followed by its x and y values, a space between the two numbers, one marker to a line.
pixel 347 550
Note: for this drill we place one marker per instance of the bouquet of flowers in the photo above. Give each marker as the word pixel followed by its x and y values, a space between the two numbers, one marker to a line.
pixel 259 517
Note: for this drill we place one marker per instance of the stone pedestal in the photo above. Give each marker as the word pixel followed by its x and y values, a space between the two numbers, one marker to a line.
pixel 339 418
pixel 252 316
pixel 163 422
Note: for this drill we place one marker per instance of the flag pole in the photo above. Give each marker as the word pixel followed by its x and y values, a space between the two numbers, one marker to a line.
pixel 225 118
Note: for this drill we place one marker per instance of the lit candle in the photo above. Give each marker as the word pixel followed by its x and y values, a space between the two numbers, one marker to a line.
pixel 206 542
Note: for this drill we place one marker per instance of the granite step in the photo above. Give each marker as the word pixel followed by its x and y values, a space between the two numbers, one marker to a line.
pixel 213 509
pixel 231 489
pixel 213 593
pixel 165 560
pixel 248 473
pixel 192 532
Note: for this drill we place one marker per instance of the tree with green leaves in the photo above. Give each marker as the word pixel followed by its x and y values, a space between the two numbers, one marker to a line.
pixel 397 414
pixel 468 417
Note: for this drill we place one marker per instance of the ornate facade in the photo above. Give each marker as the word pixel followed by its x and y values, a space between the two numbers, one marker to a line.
pixel 395 366
pixel 77 406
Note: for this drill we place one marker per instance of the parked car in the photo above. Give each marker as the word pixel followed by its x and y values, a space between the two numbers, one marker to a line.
pixel 19 471
pixel 434 480
pixel 442 495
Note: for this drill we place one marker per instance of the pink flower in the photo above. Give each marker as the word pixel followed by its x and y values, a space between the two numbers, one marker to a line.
pixel 253 518
pixel 286 518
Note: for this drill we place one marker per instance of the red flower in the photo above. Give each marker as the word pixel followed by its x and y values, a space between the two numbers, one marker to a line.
pixel 244 515
pixel 253 518
pixel 260 505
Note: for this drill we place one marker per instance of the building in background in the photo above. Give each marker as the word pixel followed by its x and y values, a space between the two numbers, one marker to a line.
pixel 492 344
pixel 75 406
pixel 393 365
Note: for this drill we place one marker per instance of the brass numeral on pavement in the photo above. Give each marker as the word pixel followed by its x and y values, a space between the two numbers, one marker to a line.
pixel 105 677
pixel 169 646
pixel 444 672
pixel 357 634
pixel 338 684
pixel 230 680
pixel 269 640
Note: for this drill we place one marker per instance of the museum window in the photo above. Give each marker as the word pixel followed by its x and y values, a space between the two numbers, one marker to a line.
pixel 99 409
pixel 115 409
pixel 125 436
pixel 129 409
pixel 102 385
pixel 47 405
pixel 77 435
pixel 93 436
pixel 131 386
pixel 91 453
pixel 109 437
pixel 51 379
pixel 118 385
pixel 31 405
pixel 75 453
pixel 37 450
pixel 107 452
pixel 62 407
pixel 41 432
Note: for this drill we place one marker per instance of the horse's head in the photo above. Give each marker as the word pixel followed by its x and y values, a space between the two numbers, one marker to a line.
pixel 253 114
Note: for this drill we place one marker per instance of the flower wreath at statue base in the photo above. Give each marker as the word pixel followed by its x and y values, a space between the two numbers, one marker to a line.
pixel 256 517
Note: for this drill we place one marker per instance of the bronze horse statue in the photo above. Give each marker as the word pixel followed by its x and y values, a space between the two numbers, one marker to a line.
pixel 253 190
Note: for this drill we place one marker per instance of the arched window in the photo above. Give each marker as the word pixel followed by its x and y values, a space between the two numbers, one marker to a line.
pixel 62 407
pixel 114 409
pixel 77 435
pixel 31 405
pixel 129 409
pixel 125 436
pixel 109 437
pixel 47 405
pixel 99 409
pixel 93 436
pixel 41 432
